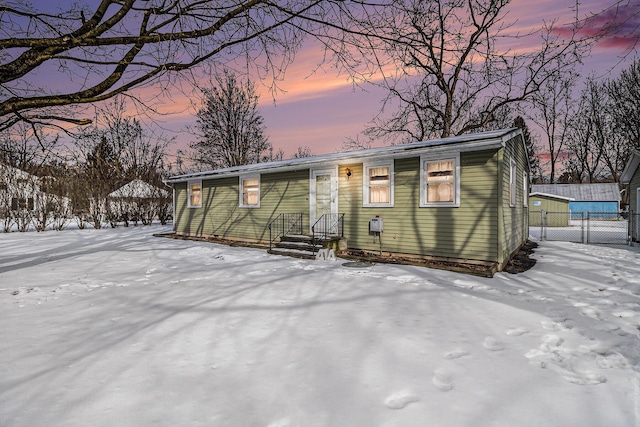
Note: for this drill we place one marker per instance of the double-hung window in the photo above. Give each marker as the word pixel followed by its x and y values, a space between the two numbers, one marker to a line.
pixel 194 194
pixel 512 182
pixel 378 185
pixel 250 191
pixel 440 181
pixel 525 189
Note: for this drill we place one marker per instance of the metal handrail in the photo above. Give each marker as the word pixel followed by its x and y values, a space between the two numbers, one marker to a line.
pixel 283 224
pixel 332 225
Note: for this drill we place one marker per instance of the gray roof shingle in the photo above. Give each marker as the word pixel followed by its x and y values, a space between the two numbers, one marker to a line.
pixel 606 192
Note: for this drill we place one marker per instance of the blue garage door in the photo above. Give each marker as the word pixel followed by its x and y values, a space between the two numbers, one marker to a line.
pixel 578 208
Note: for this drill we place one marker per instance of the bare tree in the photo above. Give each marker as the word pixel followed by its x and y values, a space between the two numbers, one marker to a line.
pixel 588 134
pixel 109 47
pixel 596 146
pixel 230 127
pixel 26 147
pixel 624 93
pixel 353 144
pixel 114 152
pixel 275 156
pixel 302 152
pixel 445 69
pixel 552 109
pixel 531 142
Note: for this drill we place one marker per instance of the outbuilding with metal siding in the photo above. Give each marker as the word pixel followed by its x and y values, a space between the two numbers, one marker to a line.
pixel 457 199
pixel 542 202
pixel 598 197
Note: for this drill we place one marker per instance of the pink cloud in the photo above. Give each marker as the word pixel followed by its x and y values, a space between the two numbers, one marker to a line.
pixel 615 26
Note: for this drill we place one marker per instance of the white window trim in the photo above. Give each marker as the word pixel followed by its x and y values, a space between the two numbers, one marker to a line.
pixel 241 179
pixel 525 189
pixel 456 186
pixel 189 184
pixel 513 179
pixel 365 184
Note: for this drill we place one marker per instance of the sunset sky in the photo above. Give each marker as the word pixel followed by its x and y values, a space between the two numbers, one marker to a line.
pixel 320 110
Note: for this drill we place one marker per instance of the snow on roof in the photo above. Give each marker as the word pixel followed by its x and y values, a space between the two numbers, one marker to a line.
pixel 606 192
pixel 16 173
pixel 139 189
pixel 466 142
pixel 553 196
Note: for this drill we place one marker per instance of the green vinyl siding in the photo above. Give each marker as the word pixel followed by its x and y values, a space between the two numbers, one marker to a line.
pixel 514 227
pixel 465 232
pixel 221 216
pixel 483 227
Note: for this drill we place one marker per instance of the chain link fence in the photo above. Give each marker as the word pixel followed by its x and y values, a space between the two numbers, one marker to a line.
pixel 583 227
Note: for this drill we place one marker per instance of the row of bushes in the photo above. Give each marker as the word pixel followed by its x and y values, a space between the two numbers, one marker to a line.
pixel 51 213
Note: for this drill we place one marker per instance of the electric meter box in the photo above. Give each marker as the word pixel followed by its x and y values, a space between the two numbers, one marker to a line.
pixel 376 225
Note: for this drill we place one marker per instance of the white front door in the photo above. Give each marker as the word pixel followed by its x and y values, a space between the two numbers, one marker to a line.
pixel 323 196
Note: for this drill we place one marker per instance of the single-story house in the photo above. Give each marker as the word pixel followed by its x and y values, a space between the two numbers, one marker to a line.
pixel 631 178
pixel 600 197
pixel 18 189
pixel 539 202
pixel 460 199
pixel 138 189
pixel 138 200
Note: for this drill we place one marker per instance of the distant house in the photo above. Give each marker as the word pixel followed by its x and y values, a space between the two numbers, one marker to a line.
pixel 584 198
pixel 18 189
pixel 138 200
pixel 458 199
pixel 631 178
pixel 23 201
pixel 138 189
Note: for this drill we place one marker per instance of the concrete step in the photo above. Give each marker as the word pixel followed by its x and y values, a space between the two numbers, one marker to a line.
pixel 303 246
pixel 296 238
pixel 295 253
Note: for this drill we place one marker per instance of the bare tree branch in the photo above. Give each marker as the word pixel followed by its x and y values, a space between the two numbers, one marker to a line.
pixel 453 74
pixel 121 45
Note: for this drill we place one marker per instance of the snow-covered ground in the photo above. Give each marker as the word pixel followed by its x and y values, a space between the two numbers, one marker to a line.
pixel 119 328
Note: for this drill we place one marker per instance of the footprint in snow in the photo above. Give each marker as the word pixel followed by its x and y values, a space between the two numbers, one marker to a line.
pixel 455 354
pixel 400 399
pixel 592 313
pixel 551 340
pixel 470 284
pixel 490 343
pixel 516 332
pixel 553 326
pixel 442 380
pixel 283 422
pixel 589 378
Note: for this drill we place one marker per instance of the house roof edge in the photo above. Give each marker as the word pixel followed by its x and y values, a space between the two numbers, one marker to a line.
pixel 466 142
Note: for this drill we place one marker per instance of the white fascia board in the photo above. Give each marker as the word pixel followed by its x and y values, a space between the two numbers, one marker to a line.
pixel 631 167
pixel 335 159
